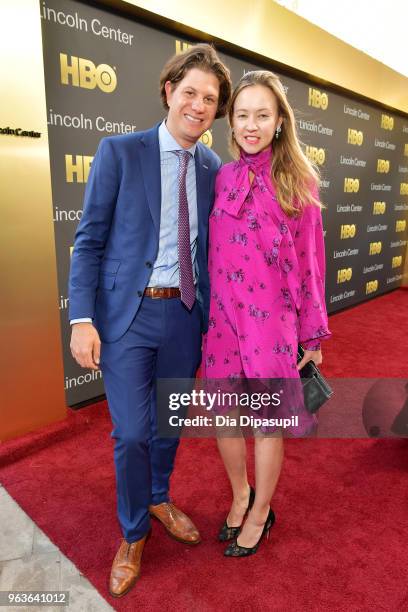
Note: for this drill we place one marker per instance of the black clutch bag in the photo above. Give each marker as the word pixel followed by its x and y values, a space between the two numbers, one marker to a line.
pixel 316 389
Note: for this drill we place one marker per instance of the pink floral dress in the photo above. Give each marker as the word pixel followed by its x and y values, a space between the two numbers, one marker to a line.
pixel 267 275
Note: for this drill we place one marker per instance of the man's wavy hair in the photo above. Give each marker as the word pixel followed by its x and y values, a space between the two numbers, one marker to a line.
pixel 204 57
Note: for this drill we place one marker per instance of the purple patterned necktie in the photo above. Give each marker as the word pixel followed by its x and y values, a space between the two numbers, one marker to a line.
pixel 186 281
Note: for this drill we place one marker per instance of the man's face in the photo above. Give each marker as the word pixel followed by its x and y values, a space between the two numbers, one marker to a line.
pixel 193 104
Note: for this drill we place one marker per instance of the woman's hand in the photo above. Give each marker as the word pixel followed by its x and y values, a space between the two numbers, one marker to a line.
pixel 315 356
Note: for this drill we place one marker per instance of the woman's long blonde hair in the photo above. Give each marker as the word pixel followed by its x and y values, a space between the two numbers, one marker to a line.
pixel 293 175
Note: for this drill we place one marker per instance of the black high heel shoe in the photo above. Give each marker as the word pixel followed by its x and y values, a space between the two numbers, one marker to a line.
pixel 235 550
pixel 229 533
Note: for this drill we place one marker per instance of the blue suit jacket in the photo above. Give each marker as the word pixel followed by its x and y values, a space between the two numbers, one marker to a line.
pixel 117 239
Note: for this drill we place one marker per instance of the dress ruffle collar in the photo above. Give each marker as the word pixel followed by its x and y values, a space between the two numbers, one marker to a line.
pixel 234 194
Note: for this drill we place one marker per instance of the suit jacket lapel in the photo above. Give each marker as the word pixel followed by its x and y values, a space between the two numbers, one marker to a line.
pixel 150 161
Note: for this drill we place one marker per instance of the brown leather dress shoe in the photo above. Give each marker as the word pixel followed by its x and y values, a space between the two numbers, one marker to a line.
pixel 126 567
pixel 177 524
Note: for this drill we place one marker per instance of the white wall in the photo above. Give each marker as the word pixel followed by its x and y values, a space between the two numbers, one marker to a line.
pixel 376 27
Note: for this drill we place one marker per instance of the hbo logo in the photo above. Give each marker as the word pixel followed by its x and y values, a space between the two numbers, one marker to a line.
pixel 318 99
pixel 383 165
pixel 316 155
pixel 78 170
pixel 371 286
pixel 387 122
pixel 355 137
pixel 396 261
pixel 83 73
pixel 344 275
pixel 379 208
pixel 182 46
pixel 375 248
pixel 351 185
pixel 347 231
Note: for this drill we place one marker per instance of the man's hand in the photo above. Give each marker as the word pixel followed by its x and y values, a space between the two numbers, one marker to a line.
pixel 315 356
pixel 85 345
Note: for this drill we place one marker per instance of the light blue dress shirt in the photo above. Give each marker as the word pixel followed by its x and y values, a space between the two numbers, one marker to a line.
pixel 165 271
pixel 166 267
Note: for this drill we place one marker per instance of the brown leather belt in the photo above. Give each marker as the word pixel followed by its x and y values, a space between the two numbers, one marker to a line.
pixel 162 292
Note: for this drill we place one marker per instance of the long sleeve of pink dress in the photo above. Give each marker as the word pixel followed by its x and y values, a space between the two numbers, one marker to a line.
pixel 310 253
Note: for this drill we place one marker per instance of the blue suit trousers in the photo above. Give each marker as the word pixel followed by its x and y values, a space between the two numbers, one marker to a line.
pixel 163 341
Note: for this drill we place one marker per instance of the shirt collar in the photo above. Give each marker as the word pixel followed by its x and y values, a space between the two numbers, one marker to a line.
pixel 168 143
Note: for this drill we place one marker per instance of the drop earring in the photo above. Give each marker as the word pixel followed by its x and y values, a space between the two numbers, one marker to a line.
pixel 278 132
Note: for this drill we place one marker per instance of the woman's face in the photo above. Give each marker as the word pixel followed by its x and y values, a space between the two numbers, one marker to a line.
pixel 255 118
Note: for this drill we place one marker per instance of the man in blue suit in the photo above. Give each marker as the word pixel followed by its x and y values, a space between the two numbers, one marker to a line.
pixel 139 288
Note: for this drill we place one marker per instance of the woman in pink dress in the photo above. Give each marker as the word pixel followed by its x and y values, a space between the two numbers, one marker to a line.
pixel 267 269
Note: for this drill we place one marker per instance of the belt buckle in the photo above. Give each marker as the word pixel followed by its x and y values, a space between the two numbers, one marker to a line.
pixel 154 295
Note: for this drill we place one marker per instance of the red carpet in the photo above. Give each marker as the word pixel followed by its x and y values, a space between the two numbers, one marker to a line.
pixel 340 541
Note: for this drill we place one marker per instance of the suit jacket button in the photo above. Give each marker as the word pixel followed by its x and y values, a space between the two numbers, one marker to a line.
pixel 140 293
pixel 149 264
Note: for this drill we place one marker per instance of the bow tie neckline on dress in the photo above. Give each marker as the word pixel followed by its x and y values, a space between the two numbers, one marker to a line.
pixel 234 195
pixel 257 162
